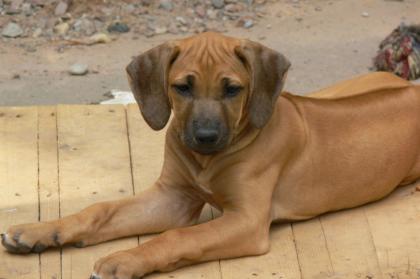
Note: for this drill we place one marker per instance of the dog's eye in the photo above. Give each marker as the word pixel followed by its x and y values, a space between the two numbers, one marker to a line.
pixel 182 89
pixel 232 90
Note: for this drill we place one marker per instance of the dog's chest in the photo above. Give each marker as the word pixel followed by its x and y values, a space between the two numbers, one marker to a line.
pixel 203 187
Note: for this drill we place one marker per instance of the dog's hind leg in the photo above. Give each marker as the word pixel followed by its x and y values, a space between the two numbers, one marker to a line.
pixel 155 210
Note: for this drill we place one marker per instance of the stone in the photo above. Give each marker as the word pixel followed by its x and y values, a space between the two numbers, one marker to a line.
pixel 37 32
pixel 181 20
pixel 212 14
pixel 248 23
pixel 99 38
pixel 12 30
pixel 160 30
pixel 166 5
pixel 118 27
pixel 62 28
pixel 200 11
pixel 365 14
pixel 173 28
pixel 130 8
pixel 84 25
pixel 233 8
pixel 218 4
pixel 27 9
pixel 61 8
pixel 15 7
pixel 78 69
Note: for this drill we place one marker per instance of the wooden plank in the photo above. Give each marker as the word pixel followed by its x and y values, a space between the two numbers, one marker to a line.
pixel 350 244
pixel 280 262
pixel 147 147
pixel 18 183
pixel 94 165
pixel 48 185
pixel 395 226
pixel 312 251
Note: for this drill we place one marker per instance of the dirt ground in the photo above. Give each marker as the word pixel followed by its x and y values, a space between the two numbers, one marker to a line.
pixel 326 41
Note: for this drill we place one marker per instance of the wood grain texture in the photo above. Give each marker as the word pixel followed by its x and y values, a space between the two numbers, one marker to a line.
pixel 49 195
pixel 18 183
pixel 91 162
pixel 94 165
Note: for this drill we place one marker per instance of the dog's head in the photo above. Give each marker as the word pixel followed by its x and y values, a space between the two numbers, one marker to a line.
pixel 213 83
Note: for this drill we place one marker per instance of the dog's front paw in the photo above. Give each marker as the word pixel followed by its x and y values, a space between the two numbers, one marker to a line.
pixel 28 238
pixel 120 265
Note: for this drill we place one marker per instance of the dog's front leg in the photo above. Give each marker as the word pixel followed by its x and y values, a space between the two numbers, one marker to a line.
pixel 232 235
pixel 156 209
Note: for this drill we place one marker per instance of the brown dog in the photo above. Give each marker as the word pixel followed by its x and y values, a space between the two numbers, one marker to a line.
pixel 234 144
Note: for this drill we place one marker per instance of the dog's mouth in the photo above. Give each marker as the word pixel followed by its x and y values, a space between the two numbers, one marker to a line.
pixel 205 148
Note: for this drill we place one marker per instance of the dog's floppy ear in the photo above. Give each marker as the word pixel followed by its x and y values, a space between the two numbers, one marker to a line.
pixel 268 70
pixel 148 75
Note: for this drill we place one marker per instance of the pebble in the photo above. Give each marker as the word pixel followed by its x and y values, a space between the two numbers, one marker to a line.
pixel 12 30
pixel 118 27
pixel 27 9
pixel 248 23
pixel 15 7
pixel 365 14
pixel 61 8
pixel 212 14
pixel 160 30
pixel 181 20
pixel 62 28
pixel 200 11
pixel 218 4
pixel 84 26
pixel 37 33
pixel 166 5
pixel 78 69
pixel 99 38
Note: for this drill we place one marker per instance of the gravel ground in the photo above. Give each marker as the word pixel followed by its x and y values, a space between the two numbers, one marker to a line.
pixel 326 40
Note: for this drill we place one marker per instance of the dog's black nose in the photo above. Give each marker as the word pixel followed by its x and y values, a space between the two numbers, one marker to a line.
pixel 206 136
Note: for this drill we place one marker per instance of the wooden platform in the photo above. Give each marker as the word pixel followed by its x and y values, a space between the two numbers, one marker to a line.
pixel 57 160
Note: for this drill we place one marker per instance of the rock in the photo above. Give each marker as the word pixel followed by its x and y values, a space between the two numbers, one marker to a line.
pixel 118 27
pixel 146 2
pixel 248 23
pixel 62 28
pixel 160 30
pixel 212 14
pixel 245 22
pixel 27 9
pixel 99 38
pixel 61 8
pixel 268 26
pixel 318 9
pixel 166 5
pixel 12 30
pixel 218 4
pixel 233 8
pixel 365 14
pixel 181 20
pixel 84 25
pixel 78 69
pixel 130 8
pixel 173 28
pixel 15 7
pixel 200 11
pixel 37 33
